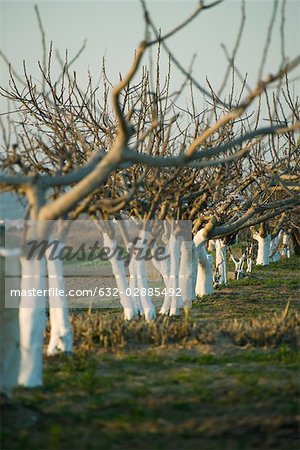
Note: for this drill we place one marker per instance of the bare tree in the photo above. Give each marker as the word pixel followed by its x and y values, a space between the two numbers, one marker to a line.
pixel 147 158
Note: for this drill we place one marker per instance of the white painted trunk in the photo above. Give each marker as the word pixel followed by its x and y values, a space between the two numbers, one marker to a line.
pixel 221 255
pixel 142 281
pixel 194 269
pixel 177 275
pixel 204 284
pixel 164 267
pixel 286 245
pixel 186 271
pixel 133 285
pixel 143 287
pixel 263 252
pixel 32 319
pixel 239 265
pixel 274 248
pixel 165 309
pixel 9 325
pixel 175 248
pixel 249 265
pixel 61 337
pixel 120 275
pixel 211 246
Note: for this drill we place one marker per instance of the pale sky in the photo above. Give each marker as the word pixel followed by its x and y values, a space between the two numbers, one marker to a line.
pixel 114 28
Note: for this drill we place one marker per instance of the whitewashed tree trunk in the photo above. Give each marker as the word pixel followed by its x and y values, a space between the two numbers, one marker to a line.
pixel 164 268
pixel 175 248
pixel 194 268
pixel 133 285
pixel 240 267
pixel 263 252
pixel 165 309
pixel 32 319
pixel 286 245
pixel 177 273
pixel 275 248
pixel 249 265
pixel 120 275
pixel 61 337
pixel 221 263
pixel 204 284
pixel 186 272
pixel 9 324
pixel 211 246
pixel 142 280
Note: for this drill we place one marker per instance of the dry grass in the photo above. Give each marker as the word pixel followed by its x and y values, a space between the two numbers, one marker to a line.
pixel 94 331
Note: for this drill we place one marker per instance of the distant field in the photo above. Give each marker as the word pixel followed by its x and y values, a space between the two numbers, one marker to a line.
pixel 224 376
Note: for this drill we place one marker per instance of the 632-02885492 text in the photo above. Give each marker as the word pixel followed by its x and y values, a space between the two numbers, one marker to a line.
pixel 135 292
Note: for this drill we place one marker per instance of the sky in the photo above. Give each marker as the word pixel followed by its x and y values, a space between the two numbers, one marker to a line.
pixel 113 30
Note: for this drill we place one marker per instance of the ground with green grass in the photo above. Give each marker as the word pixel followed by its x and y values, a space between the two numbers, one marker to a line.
pixel 223 376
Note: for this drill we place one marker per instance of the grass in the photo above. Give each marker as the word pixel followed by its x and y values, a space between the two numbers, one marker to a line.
pixel 226 376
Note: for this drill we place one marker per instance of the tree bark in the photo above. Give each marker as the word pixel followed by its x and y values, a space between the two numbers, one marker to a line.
pixel 204 285
pixel 221 263
pixel 120 275
pixel 263 252
pixel 9 324
pixel 61 338
pixel 32 317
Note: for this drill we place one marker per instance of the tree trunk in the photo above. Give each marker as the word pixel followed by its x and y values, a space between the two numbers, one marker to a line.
pixel 164 268
pixel 32 321
pixel 221 254
pixel 120 275
pixel 186 271
pixel 142 280
pixel 177 301
pixel 204 285
pixel 9 324
pixel 263 253
pixel 134 288
pixel 286 245
pixel 275 248
pixel 61 338
pixel 295 238
pixel 177 273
